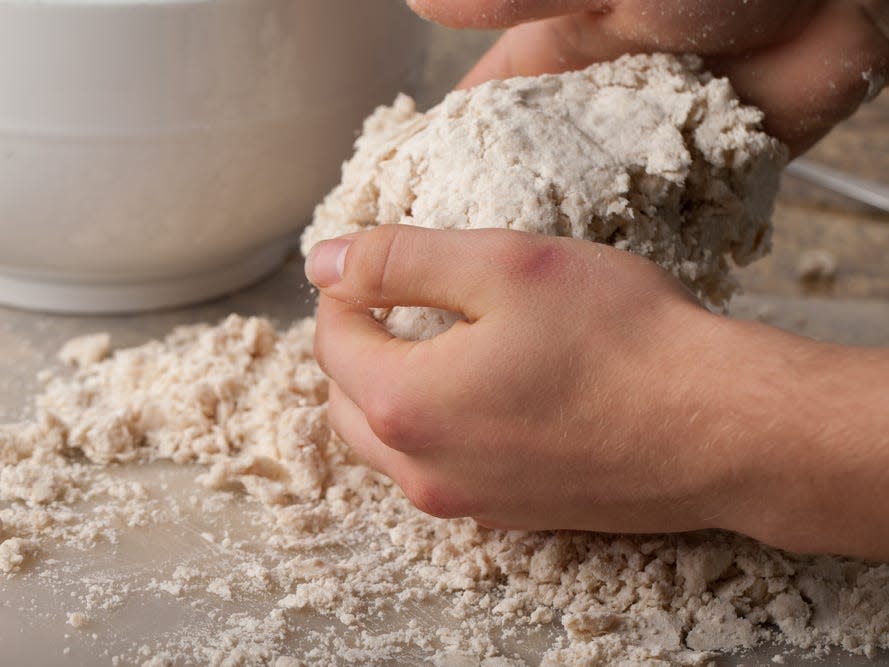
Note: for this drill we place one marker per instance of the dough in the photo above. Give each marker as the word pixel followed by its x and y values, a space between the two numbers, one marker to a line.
pixel 648 153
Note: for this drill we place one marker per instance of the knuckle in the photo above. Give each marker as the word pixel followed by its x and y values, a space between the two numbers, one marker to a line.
pixel 535 261
pixel 433 499
pixel 395 421
pixel 384 242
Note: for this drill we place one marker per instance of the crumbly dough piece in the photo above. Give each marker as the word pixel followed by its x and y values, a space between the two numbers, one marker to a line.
pixel 647 153
pixel 85 350
pixel 13 552
pixel 816 266
pixel 192 399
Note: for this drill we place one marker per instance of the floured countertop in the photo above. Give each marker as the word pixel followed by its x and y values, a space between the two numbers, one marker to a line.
pixel 88 607
pixel 199 571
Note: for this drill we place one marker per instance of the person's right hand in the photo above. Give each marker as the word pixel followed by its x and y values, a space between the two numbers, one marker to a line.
pixel 806 63
pixel 587 390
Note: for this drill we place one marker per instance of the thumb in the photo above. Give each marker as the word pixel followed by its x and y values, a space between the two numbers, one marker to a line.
pixel 463 271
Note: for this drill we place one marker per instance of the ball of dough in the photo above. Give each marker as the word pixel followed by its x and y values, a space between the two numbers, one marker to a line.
pixel 648 153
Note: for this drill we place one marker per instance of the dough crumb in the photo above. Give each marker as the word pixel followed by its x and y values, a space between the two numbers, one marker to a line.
pixel 14 551
pixel 86 350
pixel 220 587
pixel 816 266
pixel 77 620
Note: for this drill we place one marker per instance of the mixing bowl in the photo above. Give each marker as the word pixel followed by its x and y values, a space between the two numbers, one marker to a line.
pixel 161 152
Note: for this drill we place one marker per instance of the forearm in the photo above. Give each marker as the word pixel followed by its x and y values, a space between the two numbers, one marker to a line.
pixel 808 428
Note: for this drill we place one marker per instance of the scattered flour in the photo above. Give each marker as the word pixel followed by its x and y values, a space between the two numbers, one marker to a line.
pixel 334 540
pixel 647 153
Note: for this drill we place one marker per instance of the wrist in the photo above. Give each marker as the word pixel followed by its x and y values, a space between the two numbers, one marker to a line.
pixel 759 412
pixel 717 400
pixel 744 408
pixel 798 432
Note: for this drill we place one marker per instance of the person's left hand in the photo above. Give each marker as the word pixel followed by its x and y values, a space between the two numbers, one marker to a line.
pixel 806 63
pixel 571 397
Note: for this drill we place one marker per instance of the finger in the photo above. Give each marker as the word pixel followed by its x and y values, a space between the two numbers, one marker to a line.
pixel 355 350
pixel 543 47
pixel 498 14
pixel 577 40
pixel 399 385
pixel 437 499
pixel 809 84
pixel 462 271
pixel 405 389
pixel 349 422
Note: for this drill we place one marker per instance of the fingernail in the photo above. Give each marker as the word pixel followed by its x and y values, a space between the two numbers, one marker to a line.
pixel 327 262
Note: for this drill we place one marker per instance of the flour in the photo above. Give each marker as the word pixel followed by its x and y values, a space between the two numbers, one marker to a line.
pixel 647 153
pixel 332 539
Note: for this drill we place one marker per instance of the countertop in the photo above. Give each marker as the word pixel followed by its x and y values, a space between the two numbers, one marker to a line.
pixel 853 308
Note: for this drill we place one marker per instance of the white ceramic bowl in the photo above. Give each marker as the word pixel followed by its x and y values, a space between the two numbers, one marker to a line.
pixel 160 152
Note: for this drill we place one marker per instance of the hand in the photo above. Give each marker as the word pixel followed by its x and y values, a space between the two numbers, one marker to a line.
pixel 807 63
pixel 587 390
pixel 564 401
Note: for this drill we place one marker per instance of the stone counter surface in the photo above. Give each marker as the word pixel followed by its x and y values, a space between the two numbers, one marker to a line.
pixel 852 308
